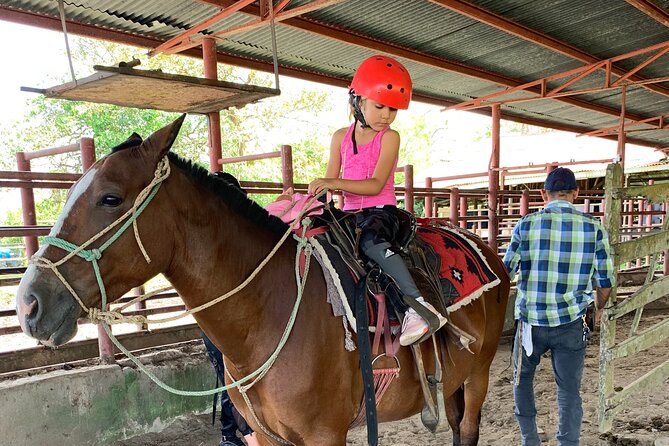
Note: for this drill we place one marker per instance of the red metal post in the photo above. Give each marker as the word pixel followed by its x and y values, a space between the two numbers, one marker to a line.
pixel 493 179
pixel 463 211
pixel 525 203
pixel 408 187
pixel 141 305
pixel 641 205
pixel 429 200
pixel 454 201
pixel 621 132
pixel 287 166
pixel 28 207
pixel 211 72
pixel 87 150
pixel 105 346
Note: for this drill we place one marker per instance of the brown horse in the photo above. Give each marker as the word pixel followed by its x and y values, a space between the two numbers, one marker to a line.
pixel 206 237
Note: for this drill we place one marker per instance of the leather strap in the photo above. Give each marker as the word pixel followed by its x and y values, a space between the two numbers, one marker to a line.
pixel 364 349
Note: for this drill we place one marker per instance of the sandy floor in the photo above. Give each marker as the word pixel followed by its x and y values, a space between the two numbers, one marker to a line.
pixel 645 423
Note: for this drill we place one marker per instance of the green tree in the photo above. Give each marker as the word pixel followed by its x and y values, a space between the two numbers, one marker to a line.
pixel 51 123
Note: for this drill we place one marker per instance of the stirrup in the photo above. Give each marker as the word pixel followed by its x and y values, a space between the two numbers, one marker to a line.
pixel 433 414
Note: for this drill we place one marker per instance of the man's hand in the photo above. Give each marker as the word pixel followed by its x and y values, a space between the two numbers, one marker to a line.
pixel 602 297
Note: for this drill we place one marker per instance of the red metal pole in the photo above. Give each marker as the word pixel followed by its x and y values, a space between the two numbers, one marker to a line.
pixel 493 179
pixel 641 205
pixel 463 211
pixel 105 346
pixel 28 207
pixel 455 195
pixel 621 132
pixel 87 150
pixel 141 305
pixel 408 187
pixel 429 201
pixel 287 167
pixel 211 72
pixel 525 203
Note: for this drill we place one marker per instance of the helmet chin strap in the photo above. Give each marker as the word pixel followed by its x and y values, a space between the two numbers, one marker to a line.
pixel 354 100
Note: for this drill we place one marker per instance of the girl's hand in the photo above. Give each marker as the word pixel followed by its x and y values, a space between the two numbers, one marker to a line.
pixel 320 184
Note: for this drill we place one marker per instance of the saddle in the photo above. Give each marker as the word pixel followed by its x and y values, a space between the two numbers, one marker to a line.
pixel 421 259
pixel 374 292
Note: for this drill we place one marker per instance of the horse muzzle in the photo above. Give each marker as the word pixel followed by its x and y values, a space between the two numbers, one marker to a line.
pixel 45 309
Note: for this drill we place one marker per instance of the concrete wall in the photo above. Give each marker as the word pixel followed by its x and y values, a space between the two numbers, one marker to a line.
pixel 98 405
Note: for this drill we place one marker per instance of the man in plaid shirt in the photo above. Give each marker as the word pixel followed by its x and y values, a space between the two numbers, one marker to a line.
pixel 560 254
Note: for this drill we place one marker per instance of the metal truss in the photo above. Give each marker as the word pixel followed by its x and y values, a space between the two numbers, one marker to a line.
pixel 540 89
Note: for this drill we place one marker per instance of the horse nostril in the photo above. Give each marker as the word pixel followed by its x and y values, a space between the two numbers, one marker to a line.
pixel 30 307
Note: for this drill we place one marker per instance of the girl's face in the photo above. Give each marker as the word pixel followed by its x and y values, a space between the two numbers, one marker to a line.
pixel 378 116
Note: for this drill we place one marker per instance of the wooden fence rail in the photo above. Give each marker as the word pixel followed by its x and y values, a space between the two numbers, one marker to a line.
pixel 612 399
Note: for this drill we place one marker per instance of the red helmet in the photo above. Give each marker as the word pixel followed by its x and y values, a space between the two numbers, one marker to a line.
pixel 384 80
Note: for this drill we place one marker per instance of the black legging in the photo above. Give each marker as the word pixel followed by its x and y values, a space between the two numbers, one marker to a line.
pixel 231 420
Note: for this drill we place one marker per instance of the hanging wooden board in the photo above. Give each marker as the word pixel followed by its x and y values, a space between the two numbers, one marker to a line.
pixel 128 87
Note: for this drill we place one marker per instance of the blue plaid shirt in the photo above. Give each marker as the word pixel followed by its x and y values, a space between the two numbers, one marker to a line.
pixel 558 252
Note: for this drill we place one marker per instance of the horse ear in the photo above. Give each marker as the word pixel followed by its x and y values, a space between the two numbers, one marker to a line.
pixel 160 142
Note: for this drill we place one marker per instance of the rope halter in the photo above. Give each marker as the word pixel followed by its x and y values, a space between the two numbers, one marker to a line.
pixel 93 255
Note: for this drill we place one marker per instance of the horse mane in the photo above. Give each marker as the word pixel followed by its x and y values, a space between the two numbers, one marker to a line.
pixel 233 196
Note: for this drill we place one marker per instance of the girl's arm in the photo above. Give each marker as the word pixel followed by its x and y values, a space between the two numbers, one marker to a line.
pixel 334 162
pixel 390 146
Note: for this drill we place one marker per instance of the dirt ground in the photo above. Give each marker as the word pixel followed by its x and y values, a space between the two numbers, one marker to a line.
pixel 645 422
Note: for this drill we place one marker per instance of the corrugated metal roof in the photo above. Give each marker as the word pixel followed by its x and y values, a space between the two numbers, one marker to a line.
pixel 451 56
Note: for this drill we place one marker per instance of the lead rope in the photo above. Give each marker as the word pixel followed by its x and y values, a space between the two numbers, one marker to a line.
pixel 261 371
pixel 303 244
pixel 106 318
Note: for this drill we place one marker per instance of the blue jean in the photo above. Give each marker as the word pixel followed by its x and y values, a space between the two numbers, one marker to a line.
pixel 567 346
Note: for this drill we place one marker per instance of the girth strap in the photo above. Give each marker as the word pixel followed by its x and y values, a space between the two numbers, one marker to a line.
pixel 364 349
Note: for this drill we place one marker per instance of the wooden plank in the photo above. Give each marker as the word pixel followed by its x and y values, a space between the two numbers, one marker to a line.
pixel 607 336
pixel 657 193
pixel 36 184
pixel 77 351
pixel 32 176
pixel 128 87
pixel 653 378
pixel 641 247
pixel 20 231
pixel 642 341
pixel 646 294
pixel 12 270
pixel 10 282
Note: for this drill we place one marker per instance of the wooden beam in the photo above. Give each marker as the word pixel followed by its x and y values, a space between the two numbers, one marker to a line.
pixel 642 341
pixel 656 193
pixel 654 378
pixel 641 247
pixel 646 294
pixel 78 351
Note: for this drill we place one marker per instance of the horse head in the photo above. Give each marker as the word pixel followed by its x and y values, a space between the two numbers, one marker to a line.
pixel 99 249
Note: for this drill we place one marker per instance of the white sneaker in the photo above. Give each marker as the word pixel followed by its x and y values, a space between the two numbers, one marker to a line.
pixel 415 327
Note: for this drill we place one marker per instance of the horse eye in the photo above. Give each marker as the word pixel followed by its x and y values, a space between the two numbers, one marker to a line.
pixel 110 200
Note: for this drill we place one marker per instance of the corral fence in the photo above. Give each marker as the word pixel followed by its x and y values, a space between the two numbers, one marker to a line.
pixel 466 208
pixel 651 244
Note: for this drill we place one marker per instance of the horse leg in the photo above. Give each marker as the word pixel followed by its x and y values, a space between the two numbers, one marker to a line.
pixel 475 391
pixel 455 408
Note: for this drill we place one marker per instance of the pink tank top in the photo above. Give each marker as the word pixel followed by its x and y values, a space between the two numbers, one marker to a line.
pixel 361 166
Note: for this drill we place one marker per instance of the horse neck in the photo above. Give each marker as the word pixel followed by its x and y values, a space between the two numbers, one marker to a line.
pixel 216 249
